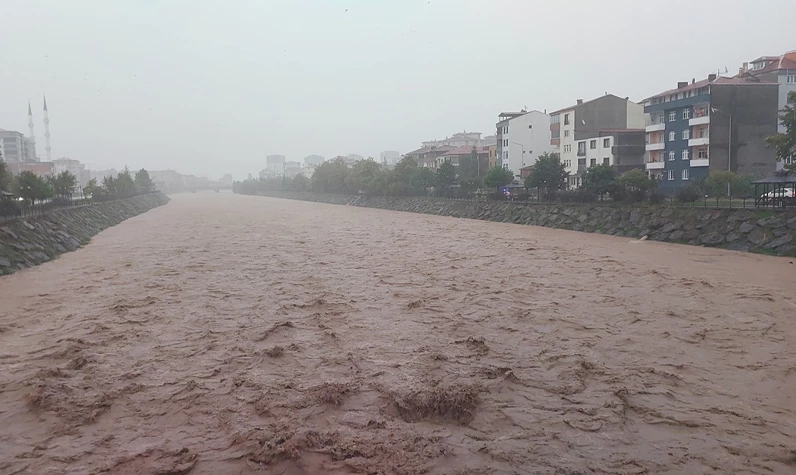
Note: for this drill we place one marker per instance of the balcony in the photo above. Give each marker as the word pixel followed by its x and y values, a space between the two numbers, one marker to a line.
pixel 655 146
pixel 581 152
pixel 705 119
pixel 700 162
pixel 656 127
pixel 659 165
pixel 699 142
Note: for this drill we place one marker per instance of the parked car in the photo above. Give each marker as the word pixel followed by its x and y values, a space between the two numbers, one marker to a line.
pixel 780 193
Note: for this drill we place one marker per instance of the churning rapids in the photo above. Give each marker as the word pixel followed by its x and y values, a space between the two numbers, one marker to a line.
pixel 232 334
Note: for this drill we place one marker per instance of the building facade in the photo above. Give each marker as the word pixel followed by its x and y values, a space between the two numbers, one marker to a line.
pixel 16 147
pixel 780 70
pixel 313 160
pixel 460 139
pixel 72 166
pixel 521 138
pixel 713 124
pixel 608 116
pixel 274 165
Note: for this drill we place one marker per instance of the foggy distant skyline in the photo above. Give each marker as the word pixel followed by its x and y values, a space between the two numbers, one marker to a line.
pixel 211 88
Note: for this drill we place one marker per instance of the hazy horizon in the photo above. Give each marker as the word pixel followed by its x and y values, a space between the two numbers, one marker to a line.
pixel 208 89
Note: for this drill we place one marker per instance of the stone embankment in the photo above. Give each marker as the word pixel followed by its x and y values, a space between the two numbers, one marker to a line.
pixel 749 230
pixel 26 242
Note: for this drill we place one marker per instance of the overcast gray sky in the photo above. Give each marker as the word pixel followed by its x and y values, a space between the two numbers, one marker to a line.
pixel 209 87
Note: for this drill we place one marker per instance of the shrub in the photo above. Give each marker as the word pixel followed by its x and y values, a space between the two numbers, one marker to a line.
pixel 656 198
pixel 687 195
pixel 10 208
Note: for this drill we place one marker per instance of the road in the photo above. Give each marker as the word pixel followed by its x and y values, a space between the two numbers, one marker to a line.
pixel 232 334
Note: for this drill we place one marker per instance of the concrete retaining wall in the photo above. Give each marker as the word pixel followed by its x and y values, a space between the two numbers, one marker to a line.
pixel 763 231
pixel 31 241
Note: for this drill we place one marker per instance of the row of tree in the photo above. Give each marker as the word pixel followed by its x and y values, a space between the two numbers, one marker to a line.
pixel 369 177
pixel 63 186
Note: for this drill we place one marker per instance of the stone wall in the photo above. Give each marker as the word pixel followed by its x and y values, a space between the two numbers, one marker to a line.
pixel 751 230
pixel 31 241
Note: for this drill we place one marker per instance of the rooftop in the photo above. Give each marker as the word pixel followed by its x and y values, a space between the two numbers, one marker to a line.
pixel 786 61
pixel 740 81
pixel 587 102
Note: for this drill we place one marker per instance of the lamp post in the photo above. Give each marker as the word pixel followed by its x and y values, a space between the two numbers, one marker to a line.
pixel 713 110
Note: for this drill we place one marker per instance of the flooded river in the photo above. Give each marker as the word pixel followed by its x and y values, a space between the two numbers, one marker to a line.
pixel 231 334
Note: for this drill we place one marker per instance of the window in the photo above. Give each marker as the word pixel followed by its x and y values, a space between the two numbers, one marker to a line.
pixel 670 174
pixel 702 154
pixel 593 162
pixel 791 79
pixel 686 134
pixel 686 154
pixel 566 133
pixel 567 148
pixel 506 155
pixel 671 156
pixel 672 116
pixel 581 147
pixel 671 136
pixel 566 119
pixel 505 166
pixel 606 161
pixel 686 113
pixel 592 144
pixel 606 143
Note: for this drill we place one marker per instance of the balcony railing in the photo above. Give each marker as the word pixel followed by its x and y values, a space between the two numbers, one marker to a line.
pixel 655 146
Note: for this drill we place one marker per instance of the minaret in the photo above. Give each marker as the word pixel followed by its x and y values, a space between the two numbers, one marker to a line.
pixel 47 132
pixel 30 125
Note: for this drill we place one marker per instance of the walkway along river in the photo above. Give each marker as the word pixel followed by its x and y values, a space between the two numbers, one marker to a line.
pixel 232 334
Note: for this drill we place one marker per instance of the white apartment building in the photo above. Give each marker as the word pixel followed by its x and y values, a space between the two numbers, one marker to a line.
pixel 72 166
pixel 521 138
pixel 16 147
pixel 562 138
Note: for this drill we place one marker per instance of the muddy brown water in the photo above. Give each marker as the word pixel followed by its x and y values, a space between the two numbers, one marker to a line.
pixel 230 334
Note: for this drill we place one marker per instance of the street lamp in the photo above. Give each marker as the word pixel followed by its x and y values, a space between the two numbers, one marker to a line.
pixel 713 110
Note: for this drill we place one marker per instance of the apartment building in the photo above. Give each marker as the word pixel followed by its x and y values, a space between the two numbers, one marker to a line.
pixel 713 124
pixel 427 156
pixel 780 70
pixel 460 139
pixel 521 138
pixel 16 147
pixel 580 132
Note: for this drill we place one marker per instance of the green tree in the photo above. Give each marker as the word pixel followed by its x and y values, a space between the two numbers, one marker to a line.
pixel 300 183
pixel 330 177
pixel 636 183
pixel 784 145
pixel 109 185
pixel 32 187
pixel 717 180
pixel 548 173
pixel 600 179
pixel 362 176
pixel 446 174
pixel 425 178
pixel 93 190
pixel 125 185
pixel 498 177
pixel 64 184
pixel 143 182
pixel 5 176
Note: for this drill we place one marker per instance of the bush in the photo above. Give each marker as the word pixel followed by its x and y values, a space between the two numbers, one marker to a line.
pixel 657 198
pixel 10 208
pixel 687 195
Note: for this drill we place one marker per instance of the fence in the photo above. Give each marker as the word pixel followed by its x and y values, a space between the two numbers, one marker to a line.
pixel 24 209
pixel 706 202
